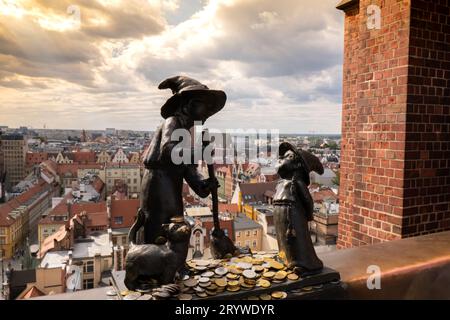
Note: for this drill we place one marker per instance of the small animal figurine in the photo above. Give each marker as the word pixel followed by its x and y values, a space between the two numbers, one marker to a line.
pixel 293 208
pixel 159 262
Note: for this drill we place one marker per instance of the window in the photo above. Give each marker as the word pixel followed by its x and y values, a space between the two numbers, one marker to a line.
pixel 118 220
pixel 88 284
pixel 248 233
pixel 247 243
pixel 254 244
pixel 238 234
pixel 88 266
pixel 124 239
pixel 255 232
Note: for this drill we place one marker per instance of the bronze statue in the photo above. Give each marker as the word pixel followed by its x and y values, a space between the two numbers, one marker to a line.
pixel 161 193
pixel 293 208
pixel 159 263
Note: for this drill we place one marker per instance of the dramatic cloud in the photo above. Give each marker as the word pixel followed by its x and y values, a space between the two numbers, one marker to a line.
pixel 96 64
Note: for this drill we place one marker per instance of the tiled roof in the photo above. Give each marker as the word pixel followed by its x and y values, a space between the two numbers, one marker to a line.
pixel 49 242
pixel 242 222
pixel 31 292
pixel 76 208
pixel 126 209
pixel 323 194
pixel 254 192
pixel 21 200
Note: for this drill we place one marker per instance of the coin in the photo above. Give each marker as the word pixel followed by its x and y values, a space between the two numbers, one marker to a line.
pixel 247 285
pixel 203 280
pixel 269 274
pixel 201 294
pixel 276 265
pixel 132 296
pixel 232 276
pixel 265 297
pixel 221 271
pixel 212 287
pixel 258 268
pixel 253 298
pixel 190 282
pixel 207 274
pixel 233 289
pixel 184 296
pixel 307 288
pixel 204 284
pixel 125 292
pixel 279 295
pixel 235 271
pixel 111 293
pixel 221 282
pixel 211 293
pixel 233 283
pixel 185 277
pixel 202 263
pixel 244 265
pixel 249 274
pixel 200 268
pixel 319 286
pixel 280 275
pixel 145 297
pixel 161 295
pixel 144 290
pixel 293 276
pixel 264 283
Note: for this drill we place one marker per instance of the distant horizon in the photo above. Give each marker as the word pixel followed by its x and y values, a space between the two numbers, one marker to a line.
pixel 149 131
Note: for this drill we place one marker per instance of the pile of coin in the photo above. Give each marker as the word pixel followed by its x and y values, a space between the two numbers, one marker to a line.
pixel 239 273
pixel 208 278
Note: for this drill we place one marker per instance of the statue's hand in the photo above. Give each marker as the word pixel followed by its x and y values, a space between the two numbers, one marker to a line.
pixel 210 184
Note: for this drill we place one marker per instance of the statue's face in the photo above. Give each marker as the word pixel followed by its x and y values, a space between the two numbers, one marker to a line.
pixel 198 109
pixel 287 164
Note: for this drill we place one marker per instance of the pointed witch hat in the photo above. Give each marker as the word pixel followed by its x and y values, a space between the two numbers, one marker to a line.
pixel 309 161
pixel 184 87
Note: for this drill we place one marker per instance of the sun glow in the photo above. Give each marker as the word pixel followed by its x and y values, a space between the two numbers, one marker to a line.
pixel 11 8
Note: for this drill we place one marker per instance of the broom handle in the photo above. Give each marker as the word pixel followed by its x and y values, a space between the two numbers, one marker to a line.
pixel 215 198
pixel 212 176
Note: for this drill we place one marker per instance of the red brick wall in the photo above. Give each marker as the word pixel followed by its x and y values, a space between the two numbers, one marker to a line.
pixel 427 158
pixel 395 177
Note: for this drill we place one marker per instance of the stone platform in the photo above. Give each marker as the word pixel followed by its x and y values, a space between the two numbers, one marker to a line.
pixel 325 285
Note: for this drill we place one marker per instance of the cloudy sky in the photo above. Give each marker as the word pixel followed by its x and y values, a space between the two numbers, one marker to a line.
pixel 97 63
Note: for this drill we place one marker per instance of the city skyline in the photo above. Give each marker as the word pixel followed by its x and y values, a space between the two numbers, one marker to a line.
pixel 274 60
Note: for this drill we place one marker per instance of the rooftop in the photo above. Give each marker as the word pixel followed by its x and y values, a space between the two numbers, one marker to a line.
pixel 242 222
pixel 55 259
pixel 96 244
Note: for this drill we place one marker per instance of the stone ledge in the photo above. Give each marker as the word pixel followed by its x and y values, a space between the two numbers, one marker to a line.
pixel 346 4
pixel 411 268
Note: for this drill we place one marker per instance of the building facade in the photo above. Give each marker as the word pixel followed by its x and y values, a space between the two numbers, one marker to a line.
pixel 14 149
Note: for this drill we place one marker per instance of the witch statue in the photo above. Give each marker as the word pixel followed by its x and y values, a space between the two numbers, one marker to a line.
pixel 162 183
pixel 293 208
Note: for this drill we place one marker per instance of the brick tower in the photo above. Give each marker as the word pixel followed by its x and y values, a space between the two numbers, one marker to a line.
pixel 395 165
